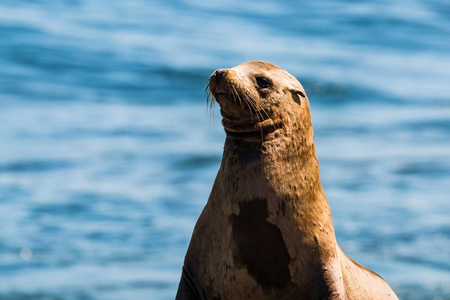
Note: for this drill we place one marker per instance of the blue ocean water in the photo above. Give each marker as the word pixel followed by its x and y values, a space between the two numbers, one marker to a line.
pixel 108 152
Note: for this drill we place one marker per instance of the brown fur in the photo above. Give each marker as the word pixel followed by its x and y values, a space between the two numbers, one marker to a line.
pixel 266 231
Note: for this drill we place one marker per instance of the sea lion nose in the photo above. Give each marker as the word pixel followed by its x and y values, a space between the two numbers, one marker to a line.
pixel 219 75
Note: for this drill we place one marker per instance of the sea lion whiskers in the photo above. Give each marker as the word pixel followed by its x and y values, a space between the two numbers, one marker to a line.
pixel 261 110
pixel 257 112
pixel 258 106
pixel 250 105
pixel 236 97
pixel 209 99
pixel 255 105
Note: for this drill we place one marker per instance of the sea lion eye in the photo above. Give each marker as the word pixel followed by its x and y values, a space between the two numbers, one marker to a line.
pixel 263 82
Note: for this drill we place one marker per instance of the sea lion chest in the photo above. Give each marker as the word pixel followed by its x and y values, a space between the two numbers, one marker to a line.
pixel 240 248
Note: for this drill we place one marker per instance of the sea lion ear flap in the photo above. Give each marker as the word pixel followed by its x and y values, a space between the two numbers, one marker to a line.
pixel 297 95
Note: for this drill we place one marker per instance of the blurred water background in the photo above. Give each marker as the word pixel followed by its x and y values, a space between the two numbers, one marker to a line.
pixel 108 155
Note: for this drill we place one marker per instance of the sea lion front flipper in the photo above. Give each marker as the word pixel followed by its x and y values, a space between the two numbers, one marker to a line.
pixel 188 287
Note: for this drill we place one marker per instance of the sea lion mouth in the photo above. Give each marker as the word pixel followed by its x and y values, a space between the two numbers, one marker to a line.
pixel 247 124
pixel 254 137
pixel 251 130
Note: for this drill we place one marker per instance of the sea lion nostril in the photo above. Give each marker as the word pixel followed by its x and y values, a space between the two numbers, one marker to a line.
pixel 219 75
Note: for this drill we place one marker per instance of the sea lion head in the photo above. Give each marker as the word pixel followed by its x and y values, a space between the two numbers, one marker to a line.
pixel 258 98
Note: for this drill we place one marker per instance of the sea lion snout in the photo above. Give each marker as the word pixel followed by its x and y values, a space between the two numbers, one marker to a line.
pixel 220 82
pixel 219 73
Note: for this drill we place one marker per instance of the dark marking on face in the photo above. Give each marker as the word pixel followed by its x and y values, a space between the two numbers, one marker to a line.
pixel 258 245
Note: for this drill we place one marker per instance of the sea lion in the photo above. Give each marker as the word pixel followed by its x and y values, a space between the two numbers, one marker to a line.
pixel 266 231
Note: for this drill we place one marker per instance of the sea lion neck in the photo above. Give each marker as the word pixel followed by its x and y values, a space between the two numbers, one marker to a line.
pixel 284 161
